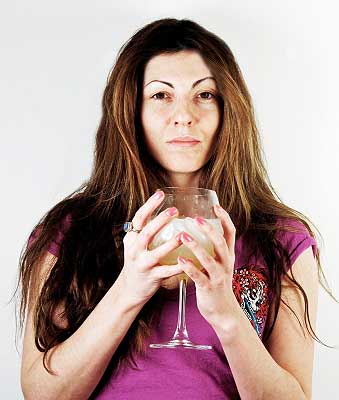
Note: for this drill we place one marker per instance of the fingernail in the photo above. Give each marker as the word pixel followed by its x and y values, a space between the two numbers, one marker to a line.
pixel 186 237
pixel 200 221
pixel 171 211
pixel 158 195
pixel 181 260
pixel 178 237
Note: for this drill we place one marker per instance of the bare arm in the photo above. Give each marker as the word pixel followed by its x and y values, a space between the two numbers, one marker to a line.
pixel 81 360
pixel 285 370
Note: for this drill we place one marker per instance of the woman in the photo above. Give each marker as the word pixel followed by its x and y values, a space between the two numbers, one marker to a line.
pixel 92 295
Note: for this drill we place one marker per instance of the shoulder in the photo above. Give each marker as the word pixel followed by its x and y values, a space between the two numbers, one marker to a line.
pixel 55 242
pixel 295 238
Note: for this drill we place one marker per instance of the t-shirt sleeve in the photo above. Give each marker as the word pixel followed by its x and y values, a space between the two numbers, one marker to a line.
pixel 54 245
pixel 297 242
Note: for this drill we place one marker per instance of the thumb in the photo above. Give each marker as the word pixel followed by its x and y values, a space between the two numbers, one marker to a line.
pixel 165 271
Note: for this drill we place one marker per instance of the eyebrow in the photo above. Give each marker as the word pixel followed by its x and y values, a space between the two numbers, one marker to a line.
pixel 194 84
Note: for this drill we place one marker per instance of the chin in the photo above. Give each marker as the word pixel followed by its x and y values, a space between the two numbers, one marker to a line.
pixel 183 169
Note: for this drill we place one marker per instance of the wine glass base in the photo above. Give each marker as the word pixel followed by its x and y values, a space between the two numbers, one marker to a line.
pixel 174 343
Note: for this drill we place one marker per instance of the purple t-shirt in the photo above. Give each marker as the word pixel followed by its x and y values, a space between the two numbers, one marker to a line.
pixel 193 374
pixel 54 245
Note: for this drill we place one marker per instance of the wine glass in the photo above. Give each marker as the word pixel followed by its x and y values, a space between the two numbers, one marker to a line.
pixel 191 202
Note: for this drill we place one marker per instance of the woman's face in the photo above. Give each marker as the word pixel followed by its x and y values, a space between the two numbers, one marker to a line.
pixel 180 113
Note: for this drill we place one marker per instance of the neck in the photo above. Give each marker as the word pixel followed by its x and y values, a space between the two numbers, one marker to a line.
pixel 180 179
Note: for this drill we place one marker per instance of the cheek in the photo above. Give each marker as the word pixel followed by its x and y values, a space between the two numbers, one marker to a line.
pixel 154 115
pixel 209 121
pixel 151 125
pixel 152 129
pixel 155 121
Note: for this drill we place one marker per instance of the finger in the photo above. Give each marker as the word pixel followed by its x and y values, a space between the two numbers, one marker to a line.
pixel 145 211
pixel 166 271
pixel 199 278
pixel 205 259
pixel 216 238
pixel 158 253
pixel 154 226
pixel 228 227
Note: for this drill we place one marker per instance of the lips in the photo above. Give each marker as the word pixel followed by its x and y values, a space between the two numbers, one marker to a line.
pixel 184 141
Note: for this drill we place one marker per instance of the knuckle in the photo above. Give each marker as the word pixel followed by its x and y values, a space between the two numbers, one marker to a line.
pixel 219 281
pixel 153 258
pixel 139 215
pixel 175 241
pixel 191 274
pixel 191 270
pixel 193 244
pixel 209 228
pixel 220 241
pixel 208 259
pixel 232 258
pixel 146 234
pixel 163 214
pixel 209 288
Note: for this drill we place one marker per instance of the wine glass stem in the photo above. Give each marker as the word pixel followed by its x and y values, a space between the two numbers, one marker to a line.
pixel 181 331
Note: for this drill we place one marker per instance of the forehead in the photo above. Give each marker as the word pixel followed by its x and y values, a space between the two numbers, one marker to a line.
pixel 177 65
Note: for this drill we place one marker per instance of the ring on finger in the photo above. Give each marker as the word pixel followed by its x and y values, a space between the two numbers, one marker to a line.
pixel 128 227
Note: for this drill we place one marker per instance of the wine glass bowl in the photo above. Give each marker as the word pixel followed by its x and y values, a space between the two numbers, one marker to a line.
pixel 173 228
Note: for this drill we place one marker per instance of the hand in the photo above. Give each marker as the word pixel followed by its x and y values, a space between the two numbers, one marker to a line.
pixel 141 276
pixel 214 292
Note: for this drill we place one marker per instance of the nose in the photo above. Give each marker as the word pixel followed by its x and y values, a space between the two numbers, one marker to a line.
pixel 183 123
pixel 182 115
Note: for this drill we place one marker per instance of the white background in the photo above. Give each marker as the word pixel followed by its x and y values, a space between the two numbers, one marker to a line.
pixel 55 57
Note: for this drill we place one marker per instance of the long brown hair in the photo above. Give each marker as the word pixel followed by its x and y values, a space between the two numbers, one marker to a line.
pixel 124 175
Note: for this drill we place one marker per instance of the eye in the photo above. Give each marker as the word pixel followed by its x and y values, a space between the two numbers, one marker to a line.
pixel 159 96
pixel 206 95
